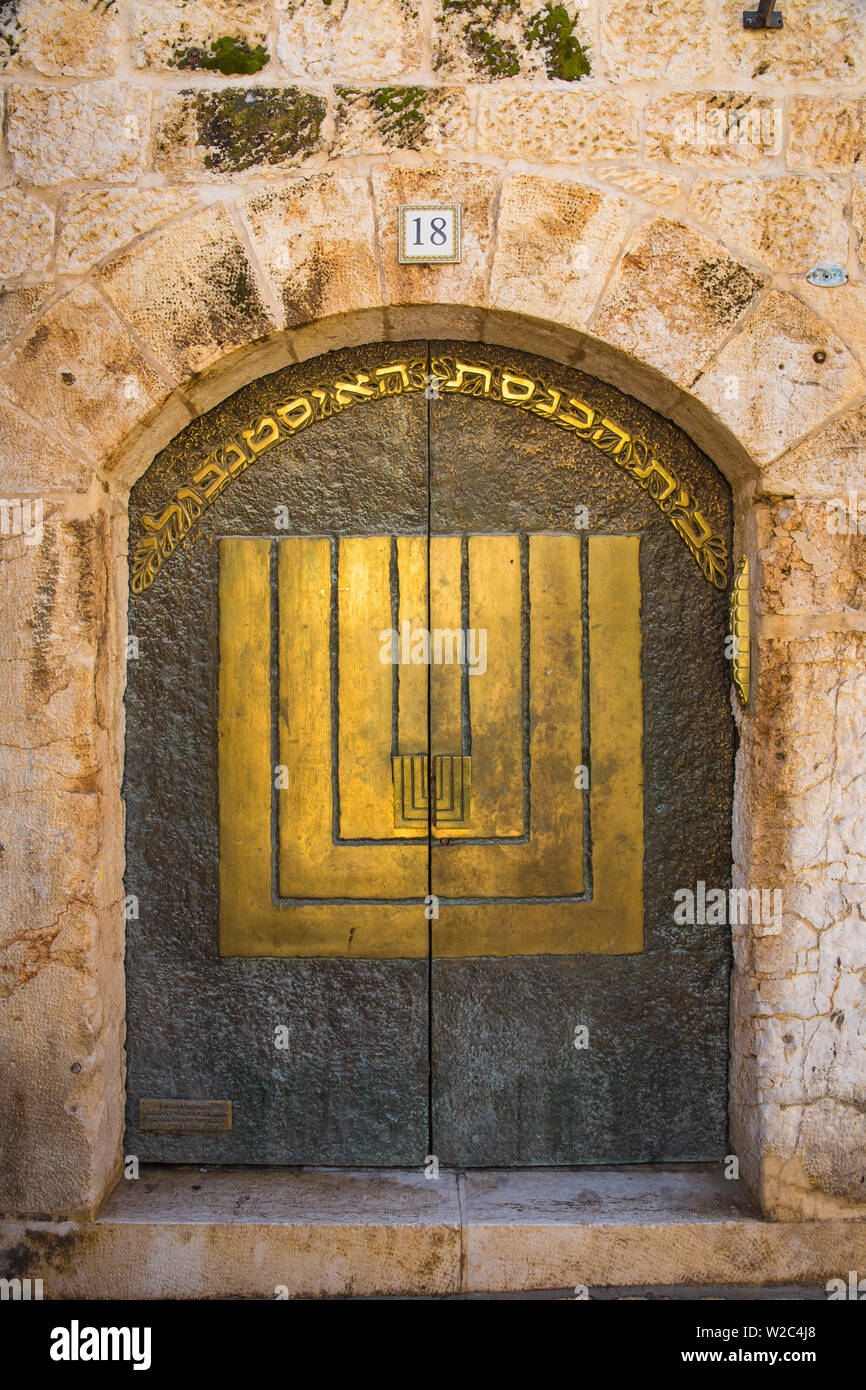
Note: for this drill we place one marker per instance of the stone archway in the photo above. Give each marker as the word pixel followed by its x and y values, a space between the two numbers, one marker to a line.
pixel 113 368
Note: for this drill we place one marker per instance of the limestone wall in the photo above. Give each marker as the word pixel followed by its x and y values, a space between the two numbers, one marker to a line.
pixel 194 191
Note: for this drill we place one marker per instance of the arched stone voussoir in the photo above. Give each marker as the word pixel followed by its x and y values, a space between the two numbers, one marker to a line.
pixel 190 291
pixel 316 241
pixel 829 464
pixel 780 378
pixel 476 188
pixel 674 298
pixel 80 372
pixel 556 243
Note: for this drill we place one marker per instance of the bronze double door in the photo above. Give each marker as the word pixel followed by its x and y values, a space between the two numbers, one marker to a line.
pixel 428 723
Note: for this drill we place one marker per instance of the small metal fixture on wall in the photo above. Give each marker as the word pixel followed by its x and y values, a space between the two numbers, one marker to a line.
pixel 764 17
pixel 740 631
pixel 827 276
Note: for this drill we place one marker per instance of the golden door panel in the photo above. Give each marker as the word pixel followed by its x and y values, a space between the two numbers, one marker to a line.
pixel 323 848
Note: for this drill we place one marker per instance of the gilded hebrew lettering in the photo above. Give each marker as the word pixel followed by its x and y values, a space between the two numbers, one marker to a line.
pixel 455 376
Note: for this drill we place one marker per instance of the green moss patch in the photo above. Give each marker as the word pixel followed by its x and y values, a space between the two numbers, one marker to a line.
pixel 399 113
pixel 491 53
pixel 230 56
pixel 256 125
pixel 552 30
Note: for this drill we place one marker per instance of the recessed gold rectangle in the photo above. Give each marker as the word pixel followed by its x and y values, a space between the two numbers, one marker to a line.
pixel 452 781
pixel 310 865
pixel 184 1116
pixel 611 921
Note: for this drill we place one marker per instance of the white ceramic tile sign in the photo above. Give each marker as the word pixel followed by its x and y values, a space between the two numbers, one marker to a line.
pixel 429 233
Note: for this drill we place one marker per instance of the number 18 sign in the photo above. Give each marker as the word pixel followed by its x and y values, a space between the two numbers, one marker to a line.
pixel 429 234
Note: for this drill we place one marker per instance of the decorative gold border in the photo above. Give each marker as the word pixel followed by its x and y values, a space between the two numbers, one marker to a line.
pixel 162 534
pixel 406 258
pixel 741 656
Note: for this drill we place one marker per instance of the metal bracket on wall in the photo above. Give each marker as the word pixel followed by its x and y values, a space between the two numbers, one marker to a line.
pixel 764 17
pixel 741 632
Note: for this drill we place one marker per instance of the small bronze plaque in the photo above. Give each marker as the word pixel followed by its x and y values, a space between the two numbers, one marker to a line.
pixel 181 1116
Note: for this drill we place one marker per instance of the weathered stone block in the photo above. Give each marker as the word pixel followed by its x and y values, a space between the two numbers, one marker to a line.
pixel 671 40
pixel 556 126
pixel 843 307
pixel 496 39
pixel 650 184
pixel 16 307
pixel 79 368
pixel 433 119
pixel 858 215
pixel 190 291
pixel 826 132
pixel 218 134
pixel 826 41
pixel 555 244
pixel 181 34
pixel 797 1010
pixel 809 565
pixel 31 462
pixel 357 39
pixel 61 970
pixel 94 224
pixel 786 223
pixel 674 298
pixel 66 38
pixel 475 189
pixel 779 377
pixel 740 129
pixel 315 240
pixel 828 464
pixel 98 130
pixel 26 234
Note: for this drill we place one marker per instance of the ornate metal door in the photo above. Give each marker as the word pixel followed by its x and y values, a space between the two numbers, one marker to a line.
pixel 426 725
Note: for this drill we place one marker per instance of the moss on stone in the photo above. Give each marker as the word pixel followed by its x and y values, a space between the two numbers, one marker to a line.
pixel 399 113
pixel 230 56
pixel 552 30
pixel 11 29
pixel 491 54
pixel 256 125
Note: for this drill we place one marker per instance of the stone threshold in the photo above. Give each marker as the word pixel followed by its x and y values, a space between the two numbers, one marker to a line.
pixel 187 1232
